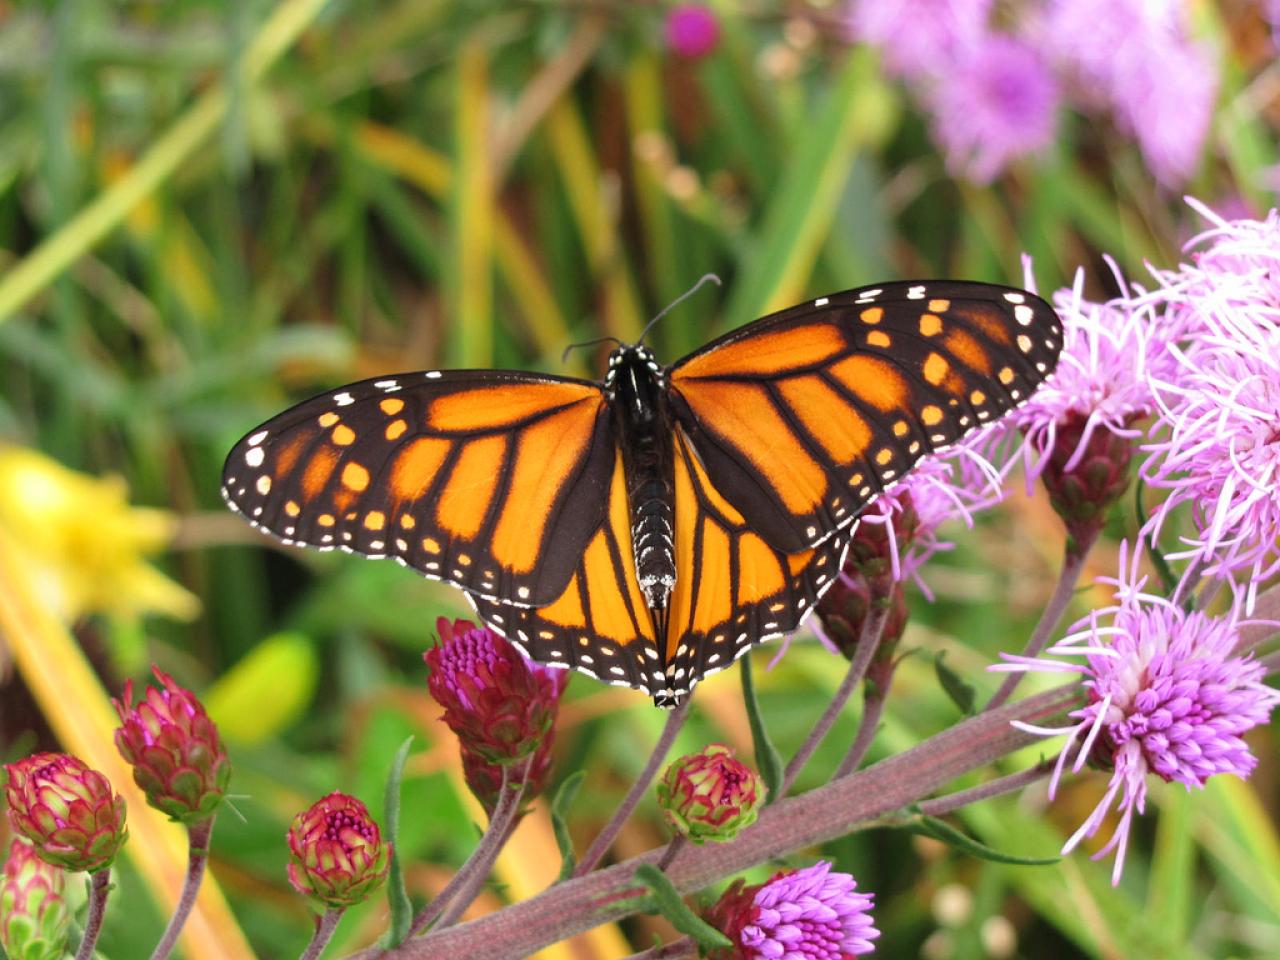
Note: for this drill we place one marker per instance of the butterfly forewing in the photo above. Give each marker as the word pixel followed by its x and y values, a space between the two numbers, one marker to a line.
pixel 493 481
pixel 803 417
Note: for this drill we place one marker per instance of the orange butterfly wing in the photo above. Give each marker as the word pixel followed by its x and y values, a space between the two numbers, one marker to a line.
pixel 732 591
pixel 490 480
pixel 803 417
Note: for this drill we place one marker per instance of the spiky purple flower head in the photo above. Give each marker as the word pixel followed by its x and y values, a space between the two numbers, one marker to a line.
pixel 810 914
pixel 1217 448
pixel 1110 351
pixel 1138 58
pixel 918 39
pixel 1168 695
pixel 996 101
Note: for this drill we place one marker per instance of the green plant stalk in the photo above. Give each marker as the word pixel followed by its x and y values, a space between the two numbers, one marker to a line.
pixel 51 258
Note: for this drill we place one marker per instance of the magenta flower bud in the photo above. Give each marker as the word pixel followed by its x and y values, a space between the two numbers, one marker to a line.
pixel 66 810
pixel 809 914
pixel 336 852
pixel 177 757
pixel 710 795
pixel 500 705
pixel 1087 471
pixel 34 920
pixel 691 30
pixel 843 610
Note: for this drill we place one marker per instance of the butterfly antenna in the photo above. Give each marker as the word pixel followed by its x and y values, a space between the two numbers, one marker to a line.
pixel 705 278
pixel 586 343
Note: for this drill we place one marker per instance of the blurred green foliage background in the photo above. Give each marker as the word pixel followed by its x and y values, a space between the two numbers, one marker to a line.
pixel 210 211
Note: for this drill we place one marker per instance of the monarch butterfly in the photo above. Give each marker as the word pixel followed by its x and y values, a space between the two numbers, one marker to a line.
pixel 649 528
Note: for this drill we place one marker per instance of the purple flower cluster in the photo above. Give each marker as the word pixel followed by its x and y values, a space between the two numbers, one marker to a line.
pixel 1169 694
pixel 1216 446
pixel 993 93
pixel 810 914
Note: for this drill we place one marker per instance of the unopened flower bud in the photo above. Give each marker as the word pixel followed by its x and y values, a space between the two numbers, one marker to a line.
pixel 844 608
pixel 34 920
pixel 336 852
pixel 710 795
pixel 692 30
pixel 177 757
pixel 500 705
pixel 67 810
pixel 1083 482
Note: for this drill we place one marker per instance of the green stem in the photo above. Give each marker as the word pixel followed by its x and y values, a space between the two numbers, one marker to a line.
pixel 600 846
pixel 99 887
pixel 198 838
pixel 324 933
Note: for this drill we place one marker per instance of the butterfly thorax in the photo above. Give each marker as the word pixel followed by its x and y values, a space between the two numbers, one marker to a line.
pixel 642 419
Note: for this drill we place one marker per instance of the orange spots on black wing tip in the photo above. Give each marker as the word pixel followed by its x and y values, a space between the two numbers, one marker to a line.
pixel 391 406
pixel 327 419
pixel 343 435
pixel 930 323
pixel 878 338
pixel 872 315
pixel 936 368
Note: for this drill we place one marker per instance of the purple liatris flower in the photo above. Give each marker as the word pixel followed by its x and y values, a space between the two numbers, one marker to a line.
pixel 34 919
pixel 691 30
pixel 1167 696
pixel 500 704
pixel 67 810
pixel 336 852
pixel 809 914
pixel 1136 57
pixel 1217 446
pixel 709 795
pixel 995 102
pixel 1080 425
pixel 174 749
pixel 917 40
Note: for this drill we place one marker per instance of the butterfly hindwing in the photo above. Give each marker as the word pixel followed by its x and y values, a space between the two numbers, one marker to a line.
pixel 493 481
pixel 732 591
pixel 803 417
pixel 599 624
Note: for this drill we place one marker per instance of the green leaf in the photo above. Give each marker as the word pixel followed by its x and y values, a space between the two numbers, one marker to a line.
pixel 1167 578
pixel 397 896
pixel 667 901
pixel 560 805
pixel 961 693
pixel 768 762
pixel 266 691
pixel 941 830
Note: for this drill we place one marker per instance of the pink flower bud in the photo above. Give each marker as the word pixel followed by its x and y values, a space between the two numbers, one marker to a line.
pixel 177 757
pixel 710 795
pixel 336 852
pixel 66 810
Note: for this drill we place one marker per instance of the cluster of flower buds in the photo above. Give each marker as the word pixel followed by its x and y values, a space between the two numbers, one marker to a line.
pixel 34 920
pixel 67 810
pixel 500 705
pixel 709 795
pixel 177 756
pixel 336 852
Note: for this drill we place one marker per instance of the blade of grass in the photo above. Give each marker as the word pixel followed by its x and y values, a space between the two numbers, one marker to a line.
pixel 73 702
pixel 1173 866
pixel 596 223
pixel 48 260
pixel 471 208
pixel 798 218
pixel 430 171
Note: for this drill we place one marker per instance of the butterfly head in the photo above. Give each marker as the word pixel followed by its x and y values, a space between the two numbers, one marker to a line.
pixel 633 362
